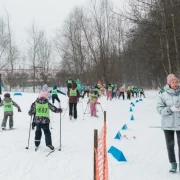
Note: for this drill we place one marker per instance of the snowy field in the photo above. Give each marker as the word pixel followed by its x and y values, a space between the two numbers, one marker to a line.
pixel 146 154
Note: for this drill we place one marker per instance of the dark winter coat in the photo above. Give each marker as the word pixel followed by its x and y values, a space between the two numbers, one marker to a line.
pixel 73 99
pixel 38 119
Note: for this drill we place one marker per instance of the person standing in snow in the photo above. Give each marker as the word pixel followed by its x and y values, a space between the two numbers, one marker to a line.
pixel 41 108
pixel 73 95
pixel 54 93
pixel 122 90
pixel 93 101
pixel 168 106
pixel 109 91
pixel 8 104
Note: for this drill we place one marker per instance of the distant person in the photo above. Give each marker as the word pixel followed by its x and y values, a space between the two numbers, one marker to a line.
pixel 169 107
pixel 8 104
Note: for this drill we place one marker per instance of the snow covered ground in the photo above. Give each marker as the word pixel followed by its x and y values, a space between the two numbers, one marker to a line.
pixel 146 154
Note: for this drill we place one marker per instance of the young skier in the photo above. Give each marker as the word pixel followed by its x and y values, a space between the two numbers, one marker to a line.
pixel 73 95
pixel 122 90
pixel 168 107
pixel 109 92
pixel 41 108
pixel 8 104
pixel 54 93
pixel 93 101
pixel 128 93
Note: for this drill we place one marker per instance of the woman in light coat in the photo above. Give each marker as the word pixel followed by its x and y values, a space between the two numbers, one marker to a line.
pixel 169 107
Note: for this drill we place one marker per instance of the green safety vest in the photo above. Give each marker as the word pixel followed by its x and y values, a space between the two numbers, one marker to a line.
pixel 96 89
pixel 8 107
pixel 115 89
pixel 110 88
pixel 54 91
pixel 93 100
pixel 42 110
pixel 73 92
pixel 87 87
pixel 91 94
pixel 69 81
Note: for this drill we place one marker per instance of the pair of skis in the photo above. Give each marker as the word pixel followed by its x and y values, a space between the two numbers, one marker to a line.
pixel 36 149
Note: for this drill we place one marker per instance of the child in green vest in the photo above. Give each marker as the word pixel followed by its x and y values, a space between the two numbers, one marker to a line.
pixel 93 101
pixel 54 93
pixel 8 104
pixel 41 108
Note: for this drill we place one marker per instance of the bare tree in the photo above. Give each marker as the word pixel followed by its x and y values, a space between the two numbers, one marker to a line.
pixel 35 38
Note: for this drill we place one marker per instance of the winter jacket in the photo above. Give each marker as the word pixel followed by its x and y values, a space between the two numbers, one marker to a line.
pixel 40 119
pixel 122 89
pixel 8 100
pixel 73 99
pixel 58 91
pixel 170 120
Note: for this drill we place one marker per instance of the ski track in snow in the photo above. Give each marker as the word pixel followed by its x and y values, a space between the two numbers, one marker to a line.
pixel 146 155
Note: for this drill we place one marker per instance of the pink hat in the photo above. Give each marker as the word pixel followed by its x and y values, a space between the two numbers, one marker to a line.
pixel 170 78
pixel 43 95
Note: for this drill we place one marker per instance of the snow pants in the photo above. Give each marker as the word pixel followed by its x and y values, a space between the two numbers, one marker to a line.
pixel 55 98
pixel 109 95
pixel 6 115
pixel 73 110
pixel 93 109
pixel 170 143
pixel 121 94
pixel 38 134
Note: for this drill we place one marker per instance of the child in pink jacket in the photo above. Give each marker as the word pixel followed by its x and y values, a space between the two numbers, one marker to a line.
pixel 93 101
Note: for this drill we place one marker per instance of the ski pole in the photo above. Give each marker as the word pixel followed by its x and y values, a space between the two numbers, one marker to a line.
pixel 60 134
pixel 64 112
pixel 29 132
pixel 101 108
pixel 51 120
pixel 85 111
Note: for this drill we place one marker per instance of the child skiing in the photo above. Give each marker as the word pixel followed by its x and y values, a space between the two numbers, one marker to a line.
pixel 122 90
pixel 54 93
pixel 109 92
pixel 93 101
pixel 73 95
pixel 8 104
pixel 41 109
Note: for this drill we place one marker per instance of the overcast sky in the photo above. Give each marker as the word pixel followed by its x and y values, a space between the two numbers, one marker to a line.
pixel 47 14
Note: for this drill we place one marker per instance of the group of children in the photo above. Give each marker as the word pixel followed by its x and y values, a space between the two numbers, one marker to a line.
pixel 41 107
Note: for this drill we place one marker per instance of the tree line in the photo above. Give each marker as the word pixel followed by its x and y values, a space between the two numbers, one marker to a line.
pixel 138 45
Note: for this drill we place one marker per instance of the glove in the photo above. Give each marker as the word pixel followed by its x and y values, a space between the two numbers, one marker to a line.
pixel 60 110
pixel 175 108
pixel 19 110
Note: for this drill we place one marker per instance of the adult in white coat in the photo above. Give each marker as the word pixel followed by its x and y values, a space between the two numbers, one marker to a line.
pixel 168 106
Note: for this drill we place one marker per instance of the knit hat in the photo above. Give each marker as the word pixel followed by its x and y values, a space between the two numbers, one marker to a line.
pixel 7 95
pixel 170 78
pixel 43 95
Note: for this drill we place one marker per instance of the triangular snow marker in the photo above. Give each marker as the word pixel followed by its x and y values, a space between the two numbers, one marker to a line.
pixel 131 110
pixel 117 154
pixel 17 94
pixel 132 118
pixel 124 127
pixel 118 135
